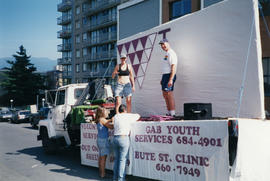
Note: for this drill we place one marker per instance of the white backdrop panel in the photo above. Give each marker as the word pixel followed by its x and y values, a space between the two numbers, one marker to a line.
pixel 212 48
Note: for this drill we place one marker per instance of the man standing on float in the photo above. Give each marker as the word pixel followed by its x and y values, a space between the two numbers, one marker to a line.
pixel 169 65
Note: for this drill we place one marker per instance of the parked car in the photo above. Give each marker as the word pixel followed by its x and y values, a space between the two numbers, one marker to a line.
pixel 6 115
pixel 35 118
pixel 4 109
pixel 21 116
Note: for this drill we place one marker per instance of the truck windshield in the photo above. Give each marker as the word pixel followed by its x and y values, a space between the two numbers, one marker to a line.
pixel 60 100
pixel 78 93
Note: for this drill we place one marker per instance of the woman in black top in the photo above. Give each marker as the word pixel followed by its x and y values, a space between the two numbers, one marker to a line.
pixel 125 83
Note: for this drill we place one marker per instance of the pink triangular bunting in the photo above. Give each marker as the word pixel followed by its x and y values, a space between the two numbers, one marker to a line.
pixel 119 47
pixel 135 43
pixel 127 46
pixel 131 57
pixel 143 41
pixel 139 55
pixel 136 68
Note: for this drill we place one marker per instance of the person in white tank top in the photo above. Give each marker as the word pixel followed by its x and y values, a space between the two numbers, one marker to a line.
pixel 169 66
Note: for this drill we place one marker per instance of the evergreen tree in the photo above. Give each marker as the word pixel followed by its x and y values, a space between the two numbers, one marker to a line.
pixel 21 83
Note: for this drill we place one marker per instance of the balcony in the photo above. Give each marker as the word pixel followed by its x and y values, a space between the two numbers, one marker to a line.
pixel 89 42
pixel 100 6
pixel 104 38
pixel 100 56
pixel 102 72
pixel 64 6
pixel 63 20
pixel 102 22
pixel 67 74
pixel 64 34
pixel 64 61
pixel 64 47
pixel 108 37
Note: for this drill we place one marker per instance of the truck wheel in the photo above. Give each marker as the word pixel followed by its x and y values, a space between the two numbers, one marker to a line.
pixel 49 146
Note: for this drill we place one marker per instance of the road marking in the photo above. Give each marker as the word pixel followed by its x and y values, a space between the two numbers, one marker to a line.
pixel 34 165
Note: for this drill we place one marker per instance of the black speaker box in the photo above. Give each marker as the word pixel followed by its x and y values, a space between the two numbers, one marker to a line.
pixel 197 111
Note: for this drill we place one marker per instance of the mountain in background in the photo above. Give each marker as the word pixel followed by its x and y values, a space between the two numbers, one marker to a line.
pixel 42 64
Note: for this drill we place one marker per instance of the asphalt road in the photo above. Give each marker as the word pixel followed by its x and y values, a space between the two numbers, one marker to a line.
pixel 22 159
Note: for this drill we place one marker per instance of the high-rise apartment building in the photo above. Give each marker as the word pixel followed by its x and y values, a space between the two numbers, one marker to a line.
pixel 89 35
pixel 65 21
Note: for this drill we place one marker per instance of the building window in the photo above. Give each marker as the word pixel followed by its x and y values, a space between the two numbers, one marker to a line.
pixel 93 52
pixel 84 37
pixel 77 39
pixel 69 68
pixel 94 67
pixel 84 51
pixel 77 24
pixel 93 20
pixel 104 48
pixel 113 29
pixel 67 41
pixel 266 75
pixel 85 80
pixel 207 3
pixel 105 64
pixel 77 67
pixel 179 8
pixel 77 80
pixel 85 67
pixel 93 3
pixel 265 4
pixel 67 27
pixel 85 7
pixel 94 36
pixel 112 13
pixel 84 21
pixel 78 10
pixel 112 46
pixel 78 53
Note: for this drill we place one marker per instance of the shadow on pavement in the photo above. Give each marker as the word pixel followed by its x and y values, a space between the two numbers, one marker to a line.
pixel 69 159
pixel 30 127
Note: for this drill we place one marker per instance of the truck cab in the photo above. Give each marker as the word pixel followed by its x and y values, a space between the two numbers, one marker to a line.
pixel 62 128
pixel 53 131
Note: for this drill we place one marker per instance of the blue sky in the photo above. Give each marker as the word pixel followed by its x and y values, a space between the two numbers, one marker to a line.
pixel 31 23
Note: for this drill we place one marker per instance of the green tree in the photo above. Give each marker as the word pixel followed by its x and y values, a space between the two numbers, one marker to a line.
pixel 21 83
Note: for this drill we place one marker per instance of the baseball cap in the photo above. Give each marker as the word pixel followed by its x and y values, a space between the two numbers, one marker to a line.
pixel 163 41
pixel 123 55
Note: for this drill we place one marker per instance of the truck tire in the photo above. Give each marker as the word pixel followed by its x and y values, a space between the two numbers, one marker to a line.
pixel 49 146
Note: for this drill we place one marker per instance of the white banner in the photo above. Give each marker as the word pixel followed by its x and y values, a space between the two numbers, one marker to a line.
pixel 190 151
pixel 89 148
